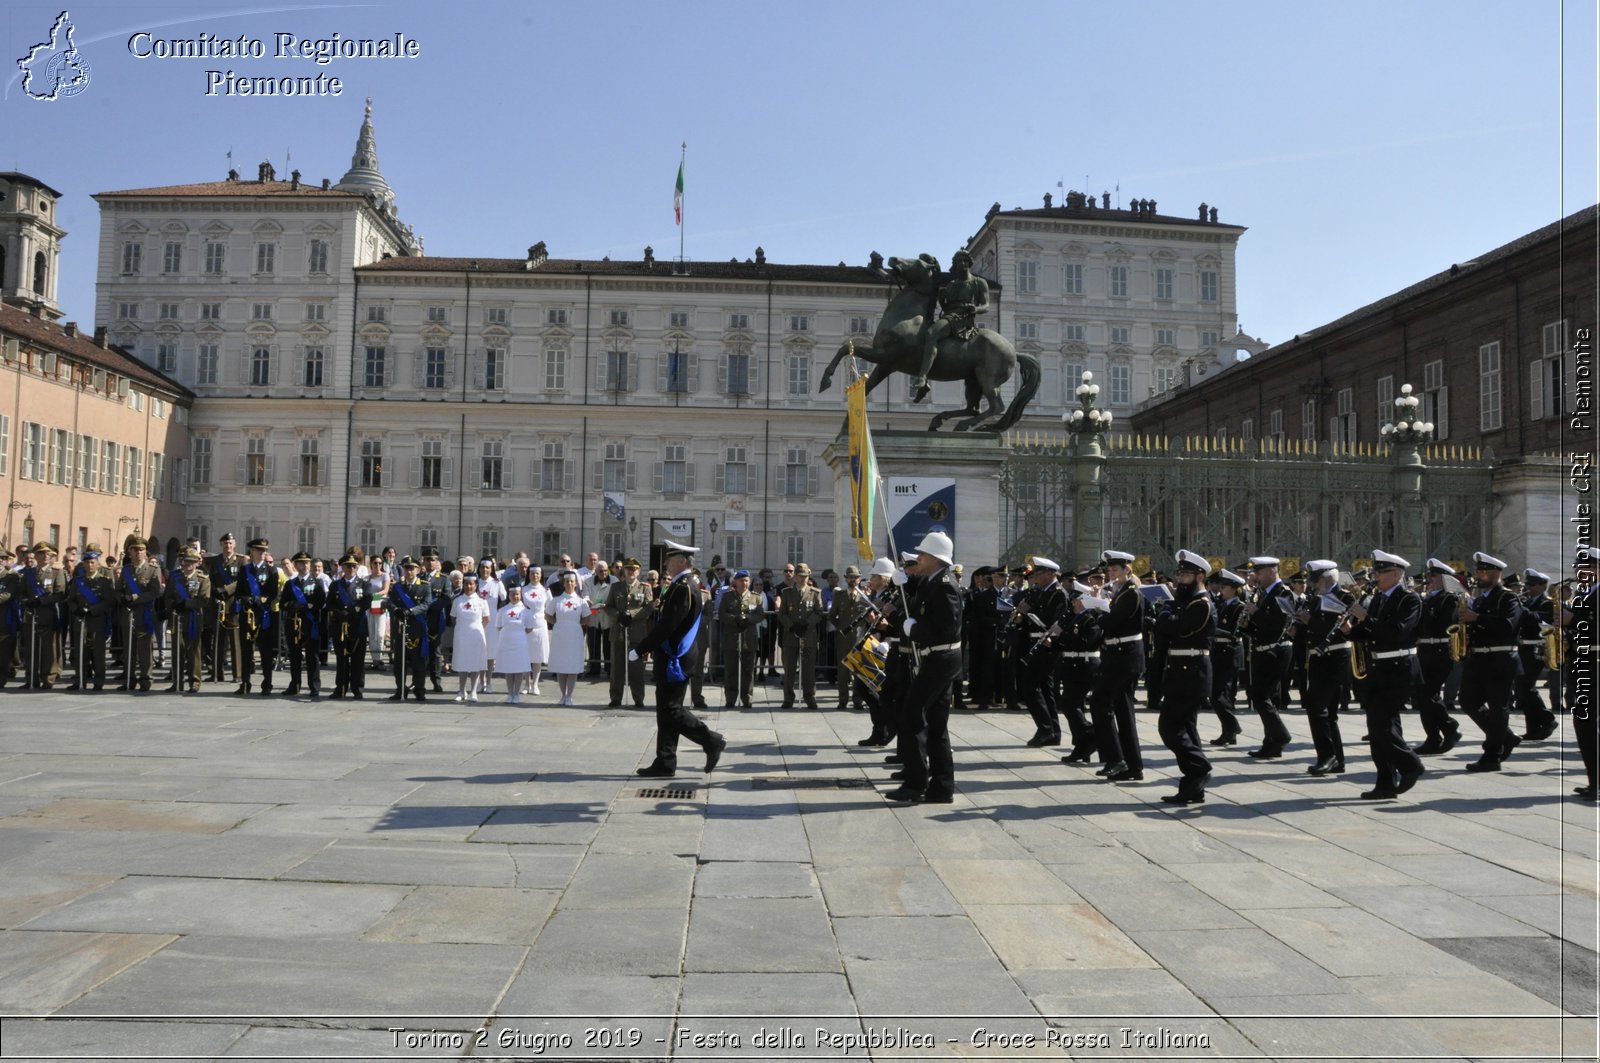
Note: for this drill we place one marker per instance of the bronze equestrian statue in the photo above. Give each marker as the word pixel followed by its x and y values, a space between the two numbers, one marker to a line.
pixel 911 338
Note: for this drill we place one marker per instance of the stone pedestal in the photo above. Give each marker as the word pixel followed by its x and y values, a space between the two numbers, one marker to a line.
pixel 972 459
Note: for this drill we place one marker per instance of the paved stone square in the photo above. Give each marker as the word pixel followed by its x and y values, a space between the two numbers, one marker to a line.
pixel 267 877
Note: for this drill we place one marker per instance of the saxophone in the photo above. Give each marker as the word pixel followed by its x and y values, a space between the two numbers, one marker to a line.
pixel 1360 651
pixel 1460 644
pixel 1555 647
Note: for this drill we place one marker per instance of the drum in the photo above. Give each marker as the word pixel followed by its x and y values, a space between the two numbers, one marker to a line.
pixel 865 662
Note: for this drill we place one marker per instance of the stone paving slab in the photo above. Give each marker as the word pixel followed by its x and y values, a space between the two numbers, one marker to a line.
pixel 760 934
pixel 467 915
pixel 40 972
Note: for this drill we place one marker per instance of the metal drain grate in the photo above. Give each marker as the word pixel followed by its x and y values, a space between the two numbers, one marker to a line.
pixel 808 782
pixel 673 793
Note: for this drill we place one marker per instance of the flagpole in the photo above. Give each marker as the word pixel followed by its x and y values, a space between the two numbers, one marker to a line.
pixel 888 526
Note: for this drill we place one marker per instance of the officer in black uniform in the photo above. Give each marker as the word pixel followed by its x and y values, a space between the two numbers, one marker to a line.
pixel 1387 622
pixel 1493 619
pixel 11 598
pixel 1434 662
pixel 883 707
pixel 1227 652
pixel 671 640
pixel 1079 648
pixel 1185 624
pixel 258 614
pixel 934 628
pixel 302 604
pixel 1267 621
pixel 91 597
pixel 901 661
pixel 438 581
pixel 222 628
pixel 983 639
pixel 1121 663
pixel 348 601
pixel 408 602
pixel 1039 617
pixel 1576 621
pixel 1327 683
pixel 1537 611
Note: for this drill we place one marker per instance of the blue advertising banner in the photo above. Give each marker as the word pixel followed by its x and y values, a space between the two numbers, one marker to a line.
pixel 918 505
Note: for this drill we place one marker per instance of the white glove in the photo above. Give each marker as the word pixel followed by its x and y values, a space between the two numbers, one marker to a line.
pixel 633 655
pixel 907 626
pixel 899 579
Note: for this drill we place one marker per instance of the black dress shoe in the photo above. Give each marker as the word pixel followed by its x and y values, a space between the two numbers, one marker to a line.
pixel 1586 792
pixel 614 704
pixel 144 685
pixel 1267 753
pixel 938 797
pixel 1226 740
pixel 905 795
pixel 394 697
pixel 292 689
pixel 655 771
pixel 1330 766
pixel 892 758
pixel 1126 775
pixel 714 752
pixel 434 684
pixel 1448 742
pixel 1381 793
pixel 1539 734
pixel 244 688
pixel 1516 740
pixel 1113 769
pixel 1038 741
pixel 788 703
pixel 1432 747
pixel 1078 756
pixel 699 703
pixel 746 703
pixel 1184 799
pixel 1408 779
pixel 871 739
pixel 1485 764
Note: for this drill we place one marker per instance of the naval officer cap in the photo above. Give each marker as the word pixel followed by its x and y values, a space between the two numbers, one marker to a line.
pixel 1082 588
pixel 1383 561
pixel 1263 562
pixel 1533 575
pixel 1588 557
pixel 1045 562
pixel 669 548
pixel 1439 568
pixel 1230 577
pixel 1189 561
pixel 1483 560
pixel 882 567
pixel 907 556
pixel 1116 557
pixel 1321 565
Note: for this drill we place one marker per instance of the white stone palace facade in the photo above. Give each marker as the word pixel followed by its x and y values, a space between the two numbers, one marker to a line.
pixel 351 390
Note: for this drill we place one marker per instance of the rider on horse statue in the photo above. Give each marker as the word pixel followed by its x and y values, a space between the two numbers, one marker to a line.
pixel 962 299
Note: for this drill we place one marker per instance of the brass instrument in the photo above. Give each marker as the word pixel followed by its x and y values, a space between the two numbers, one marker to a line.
pixel 1360 651
pixel 1555 647
pixel 1460 644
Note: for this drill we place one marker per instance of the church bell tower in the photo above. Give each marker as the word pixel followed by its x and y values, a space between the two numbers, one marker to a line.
pixel 30 244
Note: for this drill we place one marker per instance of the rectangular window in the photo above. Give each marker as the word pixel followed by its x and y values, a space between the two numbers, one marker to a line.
pixel 1027 276
pixel 158 476
pixel 619 318
pixel 1121 375
pixel 266 257
pixel 1119 282
pixel 32 451
pixel 317 256
pixel 5 443
pixel 427 538
pixel 1208 286
pixel 1308 420
pixel 113 466
pixel 674 469
pixel 61 457
pixel 1122 334
pixel 260 367
pixel 261 311
pixel 494 369
pixel 1385 400
pixel 128 311
pixel 200 461
pixel 316 311
pixel 557 316
pixel 1071 377
pixel 377 314
pixel 738 374
pixel 1073 333
pixel 310 461
pixel 132 258
pixel 1166 378
pixel 739 322
pixel 495 315
pixel 172 257
pixel 1489 387
pixel 255 461
pixel 616 370
pixel 206 366
pixel 677 373
pixel 371 462
pixel 1072 278
pixel 1247 429
pixel 1164 282
pixel 555 369
pixel 89 463
pixel 432 470
pixel 734 551
pixel 794 547
pixel 1275 423
pixel 797 473
pixel 614 468
pixel 210 311
pixel 1166 337
pixel 799 323
pixel 1209 340
pixel 1343 432
pixel 492 474
pixel 1027 330
pixel 305 538
pixel 859 326
pixel 678 319
pixel 216 257
pixel 367 539
pixel 552 467
pixel 1435 399
pixel 736 471
pixel 489 543
pixel 800 374
pixel 550 548
pixel 133 475
pixel 433 366
pixel 136 401
pixel 312 377
pixel 1549 388
pixel 167 311
pixel 439 315
pixel 167 357
pixel 374 371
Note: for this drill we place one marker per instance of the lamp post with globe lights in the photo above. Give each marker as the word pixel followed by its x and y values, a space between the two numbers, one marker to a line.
pixel 1087 424
pixel 1087 428
pixel 1407 435
pixel 1409 431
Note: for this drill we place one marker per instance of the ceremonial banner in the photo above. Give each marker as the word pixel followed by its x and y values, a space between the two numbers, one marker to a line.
pixel 863 468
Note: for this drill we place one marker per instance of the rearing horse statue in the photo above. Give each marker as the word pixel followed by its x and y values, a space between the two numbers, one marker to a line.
pixel 983 362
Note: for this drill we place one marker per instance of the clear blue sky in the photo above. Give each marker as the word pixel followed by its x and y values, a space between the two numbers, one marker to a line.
pixel 1365 144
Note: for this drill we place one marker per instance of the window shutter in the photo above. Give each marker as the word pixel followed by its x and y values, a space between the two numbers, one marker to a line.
pixel 479 364
pixel 239 470
pixel 450 369
pixel 655 477
pixel 507 480
pixel 718 478
pixel 755 375
pixel 811 482
pixel 722 375
pixel 1441 424
pixel 269 466
pixel 419 363
pixel 599 475
pixel 1333 429
pixel 663 368
pixel 1569 388
pixel 1536 372
pixel 416 472
pixel 693 372
pixel 688 474
pixel 753 472
pixel 567 475
pixel 632 383
pixel 447 472
pixel 630 480
pixel 600 363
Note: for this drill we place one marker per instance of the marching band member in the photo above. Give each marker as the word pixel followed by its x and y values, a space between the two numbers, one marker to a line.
pixel 934 628
pixel 1386 622
pixel 1266 619
pixel 1039 616
pixel 1186 624
pixel 1227 653
pixel 188 601
pixel 1435 662
pixel 1079 645
pixel 1327 685
pixel 1493 619
pixel 1575 623
pixel 1121 664
pixel 1537 611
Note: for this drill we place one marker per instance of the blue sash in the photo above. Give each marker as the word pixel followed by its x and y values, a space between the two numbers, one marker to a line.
pixel 343 587
pixel 409 603
pixel 149 613
pixel 191 617
pixel 82 587
pixel 38 590
pixel 255 592
pixel 11 615
pixel 681 648
pixel 300 599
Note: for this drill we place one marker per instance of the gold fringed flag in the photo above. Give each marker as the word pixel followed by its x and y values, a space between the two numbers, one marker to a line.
pixel 863 468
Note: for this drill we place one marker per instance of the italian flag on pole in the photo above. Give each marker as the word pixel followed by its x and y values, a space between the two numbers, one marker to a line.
pixel 677 196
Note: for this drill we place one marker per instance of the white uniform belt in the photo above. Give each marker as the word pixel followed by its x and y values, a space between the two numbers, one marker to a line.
pixel 1533 642
pixel 1124 638
pixel 1270 646
pixel 1037 635
pixel 1433 642
pixel 1388 654
pixel 943 646
pixel 1187 653
pixel 1319 651
pixel 1081 653
pixel 1494 649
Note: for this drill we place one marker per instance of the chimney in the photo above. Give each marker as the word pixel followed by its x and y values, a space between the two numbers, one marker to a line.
pixel 761 257
pixel 1213 215
pixel 1152 204
pixel 875 261
pixel 537 256
pixel 1047 201
pixel 265 172
pixel 100 336
pixel 294 180
pixel 1105 200
pixel 233 175
pixel 70 328
pixel 37 310
pixel 649 257
pixel 325 184
pixel 1202 212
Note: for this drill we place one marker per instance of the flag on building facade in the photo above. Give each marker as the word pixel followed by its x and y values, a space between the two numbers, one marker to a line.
pixel 863 468
pixel 614 506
